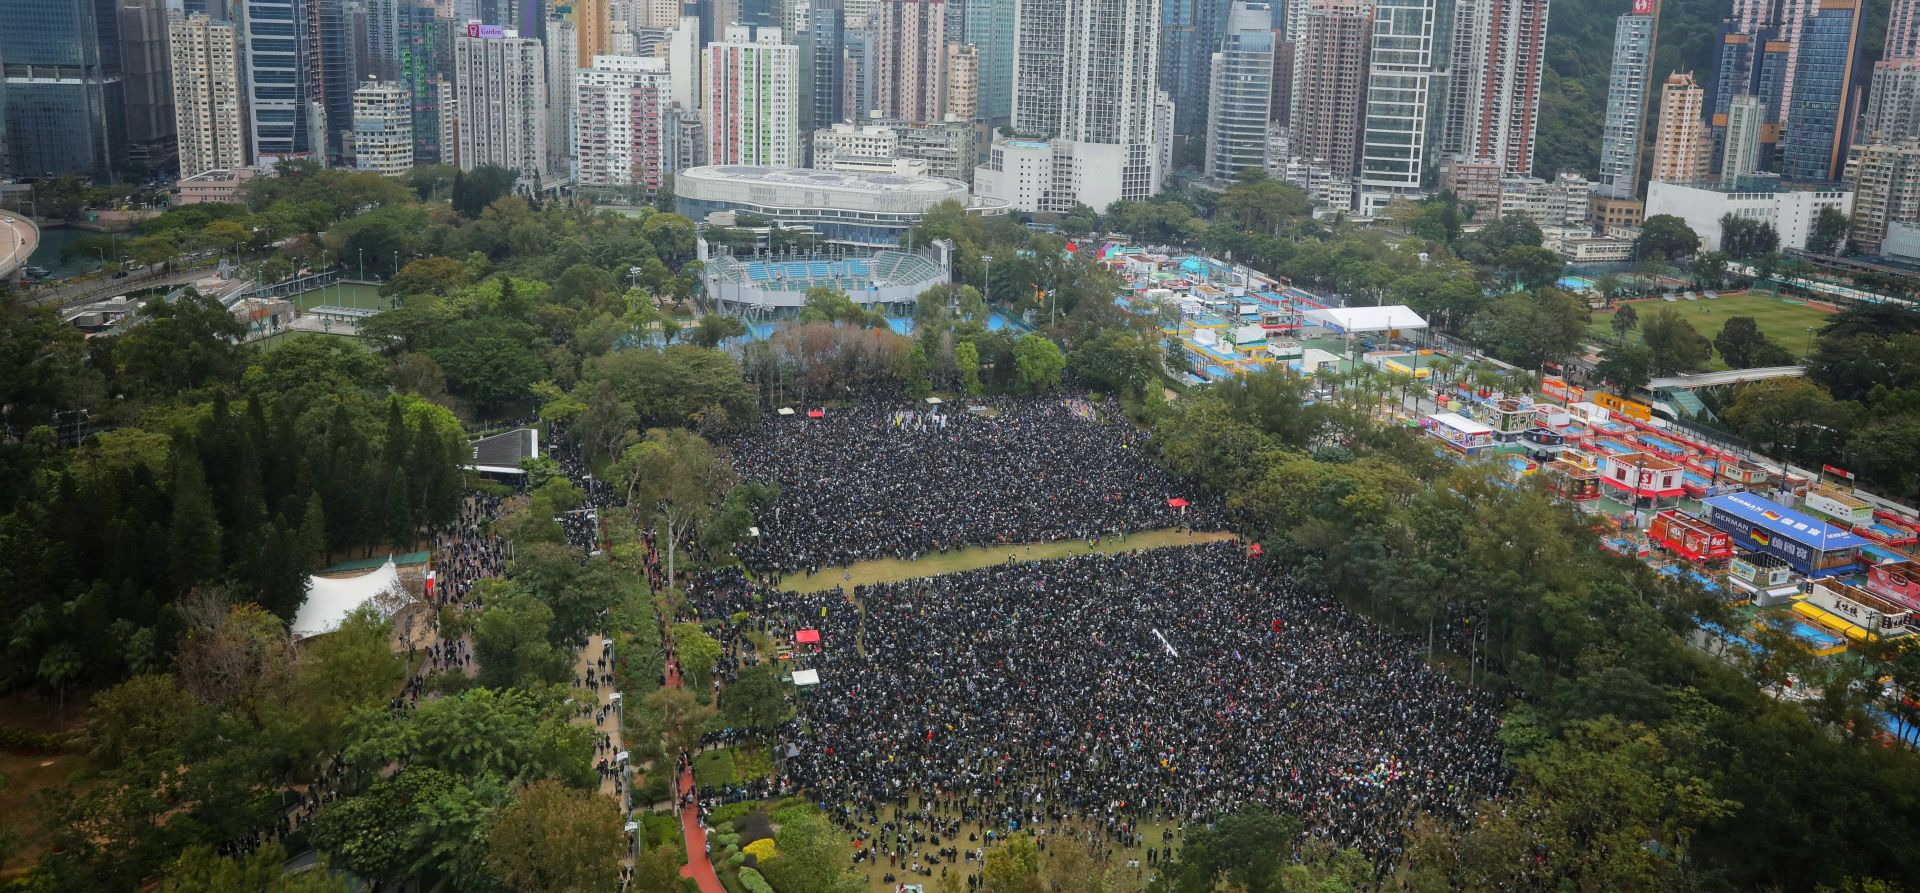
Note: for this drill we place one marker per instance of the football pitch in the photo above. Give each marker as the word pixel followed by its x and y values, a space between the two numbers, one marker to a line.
pixel 1784 321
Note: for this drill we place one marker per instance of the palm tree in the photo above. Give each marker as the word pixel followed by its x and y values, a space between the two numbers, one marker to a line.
pixel 1443 367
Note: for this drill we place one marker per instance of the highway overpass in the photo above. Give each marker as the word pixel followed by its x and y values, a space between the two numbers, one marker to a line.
pixel 18 239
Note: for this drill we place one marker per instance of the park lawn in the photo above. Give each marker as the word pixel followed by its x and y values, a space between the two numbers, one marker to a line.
pixel 28 775
pixel 1785 322
pixel 893 570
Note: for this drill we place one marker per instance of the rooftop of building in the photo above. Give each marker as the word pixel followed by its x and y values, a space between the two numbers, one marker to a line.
pixel 845 181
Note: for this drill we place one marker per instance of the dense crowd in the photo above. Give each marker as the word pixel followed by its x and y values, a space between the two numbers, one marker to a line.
pixel 904 480
pixel 1173 684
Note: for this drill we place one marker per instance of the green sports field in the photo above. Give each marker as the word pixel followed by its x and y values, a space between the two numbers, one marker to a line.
pixel 1784 321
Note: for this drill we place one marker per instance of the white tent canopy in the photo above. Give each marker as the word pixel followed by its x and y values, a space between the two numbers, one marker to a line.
pixel 331 599
pixel 1348 320
pixel 804 678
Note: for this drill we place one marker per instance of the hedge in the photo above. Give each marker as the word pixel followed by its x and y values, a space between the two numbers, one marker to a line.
pixel 754 882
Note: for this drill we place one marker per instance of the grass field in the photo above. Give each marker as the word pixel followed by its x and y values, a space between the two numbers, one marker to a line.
pixel 893 570
pixel 342 294
pixel 1786 322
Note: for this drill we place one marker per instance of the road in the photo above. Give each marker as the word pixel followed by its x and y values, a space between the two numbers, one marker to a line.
pixel 106 288
pixel 18 238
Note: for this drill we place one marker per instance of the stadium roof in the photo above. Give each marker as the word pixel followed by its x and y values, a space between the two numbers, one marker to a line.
pixel 1774 518
pixel 848 274
pixel 837 181
pixel 1367 319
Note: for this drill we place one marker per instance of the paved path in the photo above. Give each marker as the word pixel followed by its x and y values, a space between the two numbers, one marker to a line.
pixel 698 866
pixel 589 660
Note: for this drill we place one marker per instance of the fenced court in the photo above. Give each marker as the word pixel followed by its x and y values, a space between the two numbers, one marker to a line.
pixel 1783 320
pixel 357 295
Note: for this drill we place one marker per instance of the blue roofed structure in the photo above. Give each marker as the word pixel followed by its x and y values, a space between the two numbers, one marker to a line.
pixel 1811 546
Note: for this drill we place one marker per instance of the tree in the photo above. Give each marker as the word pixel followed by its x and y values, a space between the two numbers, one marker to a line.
pixel 555 840
pixel 677 718
pixel 201 869
pixel 1117 360
pixel 1628 367
pixel 1013 868
pixel 1039 362
pixel 1673 346
pixel 755 698
pixel 512 643
pixel 919 372
pixel 1790 416
pixel 1742 237
pixel 474 191
pixel 1829 232
pixel 1625 319
pixel 698 653
pixel 1744 346
pixel 1530 267
pixel 1528 329
pixel 714 328
pixel 812 853
pixel 674 475
pixel 1709 269
pixel 1665 237
pixel 966 358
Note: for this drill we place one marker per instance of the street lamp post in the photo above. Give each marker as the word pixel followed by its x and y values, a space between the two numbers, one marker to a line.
pixel 987 279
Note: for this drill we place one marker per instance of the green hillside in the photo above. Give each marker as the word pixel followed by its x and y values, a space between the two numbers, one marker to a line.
pixel 1580 47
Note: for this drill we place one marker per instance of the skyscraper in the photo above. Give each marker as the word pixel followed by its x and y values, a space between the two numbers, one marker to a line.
pixel 65 106
pixel 425 45
pixel 500 85
pixel 989 28
pixel 908 40
pixel 752 112
pixel 282 105
pixel 383 38
pixel 1624 129
pixel 1493 104
pixel 1400 70
pixel 382 128
pixel 1039 65
pixel 962 84
pixel 1191 32
pixel 1813 145
pixel 1682 149
pixel 147 88
pixel 823 86
pixel 1787 20
pixel 208 116
pixel 1241 94
pixel 1334 40
pixel 621 135
pixel 593 23
pixel 562 48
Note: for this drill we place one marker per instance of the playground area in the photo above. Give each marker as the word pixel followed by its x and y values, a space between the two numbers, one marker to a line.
pixel 1784 320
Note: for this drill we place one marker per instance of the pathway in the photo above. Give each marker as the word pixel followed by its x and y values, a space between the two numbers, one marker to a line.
pixel 588 661
pixel 698 866
pixel 894 570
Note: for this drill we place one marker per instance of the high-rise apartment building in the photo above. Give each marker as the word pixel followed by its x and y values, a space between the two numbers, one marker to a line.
pixel 500 82
pixel 1624 129
pixel 751 109
pixel 1886 189
pixel 1241 96
pixel 1903 30
pixel 1813 145
pixel 1330 82
pixel 1498 58
pixel 284 119
pixel 1747 64
pixel 908 39
pixel 621 133
pixel 562 48
pixel 383 128
pixel 209 117
pixel 593 24
pixel 1744 146
pixel 1893 104
pixel 65 102
pixel 337 54
pixel 1393 145
pixel 1787 20
pixel 962 91
pixel 1039 65
pixel 1682 148
pixel 988 27
pixel 383 38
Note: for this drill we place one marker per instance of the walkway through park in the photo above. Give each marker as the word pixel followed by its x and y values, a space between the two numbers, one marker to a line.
pixel 698 866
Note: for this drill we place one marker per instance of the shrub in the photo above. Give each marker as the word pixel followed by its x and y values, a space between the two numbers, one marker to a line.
pixel 763 849
pixel 32 743
pixel 754 882
pixel 655 789
pixel 727 839
pixel 737 859
pixel 788 812
pixel 727 814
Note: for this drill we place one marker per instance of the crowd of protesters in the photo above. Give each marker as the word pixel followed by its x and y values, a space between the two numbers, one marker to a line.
pixel 882 481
